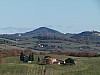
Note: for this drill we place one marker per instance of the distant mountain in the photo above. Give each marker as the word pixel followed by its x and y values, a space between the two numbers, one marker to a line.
pixel 88 35
pixel 42 31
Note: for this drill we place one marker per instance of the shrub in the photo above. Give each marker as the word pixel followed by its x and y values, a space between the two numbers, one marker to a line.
pixel 70 61
pixel 21 56
pixel 47 57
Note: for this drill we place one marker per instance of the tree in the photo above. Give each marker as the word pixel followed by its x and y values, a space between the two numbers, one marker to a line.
pixel 21 56
pixel 70 61
pixel 31 57
pixel 0 61
pixel 47 57
pixel 38 59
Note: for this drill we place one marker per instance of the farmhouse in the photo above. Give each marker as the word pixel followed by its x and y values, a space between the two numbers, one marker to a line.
pixel 50 60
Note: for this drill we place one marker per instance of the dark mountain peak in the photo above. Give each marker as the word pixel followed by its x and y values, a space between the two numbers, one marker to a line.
pixel 43 28
pixel 43 31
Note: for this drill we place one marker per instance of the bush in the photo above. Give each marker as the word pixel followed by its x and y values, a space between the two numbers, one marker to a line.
pixel 70 61
pixel 47 57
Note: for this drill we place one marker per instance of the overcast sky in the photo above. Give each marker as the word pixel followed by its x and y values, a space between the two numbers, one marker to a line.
pixel 66 16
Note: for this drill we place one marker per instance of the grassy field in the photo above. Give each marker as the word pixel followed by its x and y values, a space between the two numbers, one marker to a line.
pixel 7 47
pixel 32 43
pixel 84 66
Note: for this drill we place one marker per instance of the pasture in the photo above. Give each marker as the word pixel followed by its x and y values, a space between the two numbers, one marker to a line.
pixel 84 66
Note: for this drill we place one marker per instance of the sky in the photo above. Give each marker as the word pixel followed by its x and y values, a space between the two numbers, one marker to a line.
pixel 66 16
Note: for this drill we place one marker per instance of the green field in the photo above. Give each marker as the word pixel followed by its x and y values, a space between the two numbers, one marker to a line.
pixel 7 47
pixel 84 66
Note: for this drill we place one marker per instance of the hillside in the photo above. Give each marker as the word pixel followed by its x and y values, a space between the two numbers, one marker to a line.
pixel 88 35
pixel 84 66
pixel 42 31
pixel 46 39
pixel 6 44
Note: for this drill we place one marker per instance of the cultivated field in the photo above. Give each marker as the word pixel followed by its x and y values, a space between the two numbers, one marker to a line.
pixel 84 66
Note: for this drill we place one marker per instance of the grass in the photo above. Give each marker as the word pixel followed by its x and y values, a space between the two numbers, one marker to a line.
pixel 8 40
pixel 7 47
pixel 84 66
pixel 66 45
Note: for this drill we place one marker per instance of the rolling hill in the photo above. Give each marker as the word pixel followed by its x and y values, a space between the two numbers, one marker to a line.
pixel 46 39
pixel 42 31
pixel 88 35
